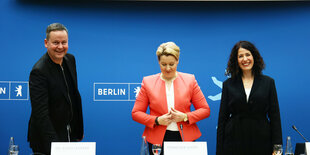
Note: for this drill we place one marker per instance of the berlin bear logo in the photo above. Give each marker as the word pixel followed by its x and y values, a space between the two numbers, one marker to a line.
pixel 19 90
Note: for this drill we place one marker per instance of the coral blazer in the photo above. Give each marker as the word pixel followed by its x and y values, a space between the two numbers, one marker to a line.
pixel 153 94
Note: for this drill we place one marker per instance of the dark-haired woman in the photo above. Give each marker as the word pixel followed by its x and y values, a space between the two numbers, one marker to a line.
pixel 249 117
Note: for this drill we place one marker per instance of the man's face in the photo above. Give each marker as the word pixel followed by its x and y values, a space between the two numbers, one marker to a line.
pixel 57 45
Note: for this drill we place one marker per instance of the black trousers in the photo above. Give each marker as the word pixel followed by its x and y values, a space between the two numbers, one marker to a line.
pixel 169 136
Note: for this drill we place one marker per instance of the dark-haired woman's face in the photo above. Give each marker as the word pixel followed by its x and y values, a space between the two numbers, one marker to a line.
pixel 245 60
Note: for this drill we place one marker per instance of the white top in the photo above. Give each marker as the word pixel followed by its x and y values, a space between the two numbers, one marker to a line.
pixel 170 102
pixel 247 92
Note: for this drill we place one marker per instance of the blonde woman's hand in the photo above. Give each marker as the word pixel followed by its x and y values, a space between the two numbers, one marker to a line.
pixel 165 119
pixel 177 116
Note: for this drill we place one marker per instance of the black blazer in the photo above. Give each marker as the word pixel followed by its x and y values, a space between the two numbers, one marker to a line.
pixel 51 108
pixel 251 127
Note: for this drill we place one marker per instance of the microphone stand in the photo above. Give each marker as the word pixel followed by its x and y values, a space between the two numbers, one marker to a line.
pixel 294 127
pixel 181 126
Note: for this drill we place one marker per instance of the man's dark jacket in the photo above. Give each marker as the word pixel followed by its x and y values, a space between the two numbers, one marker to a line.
pixel 51 106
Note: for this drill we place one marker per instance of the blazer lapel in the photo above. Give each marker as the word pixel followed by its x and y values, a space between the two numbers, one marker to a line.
pixel 54 69
pixel 176 89
pixel 255 85
pixel 163 89
pixel 240 87
pixel 71 70
pixel 162 94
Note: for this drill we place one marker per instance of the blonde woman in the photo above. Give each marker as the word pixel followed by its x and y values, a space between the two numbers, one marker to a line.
pixel 169 95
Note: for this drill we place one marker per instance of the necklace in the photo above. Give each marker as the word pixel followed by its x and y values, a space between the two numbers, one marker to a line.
pixel 247 82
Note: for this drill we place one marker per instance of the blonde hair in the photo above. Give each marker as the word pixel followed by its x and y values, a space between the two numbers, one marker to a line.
pixel 168 48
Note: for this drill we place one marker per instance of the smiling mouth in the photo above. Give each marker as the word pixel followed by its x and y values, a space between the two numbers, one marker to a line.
pixel 60 52
pixel 246 64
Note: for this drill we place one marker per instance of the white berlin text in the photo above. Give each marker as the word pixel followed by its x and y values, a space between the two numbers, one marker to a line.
pixel 109 91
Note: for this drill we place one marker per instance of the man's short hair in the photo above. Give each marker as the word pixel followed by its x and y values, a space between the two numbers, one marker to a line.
pixel 54 27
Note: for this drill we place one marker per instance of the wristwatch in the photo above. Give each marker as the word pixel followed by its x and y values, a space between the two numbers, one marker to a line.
pixel 156 121
pixel 185 119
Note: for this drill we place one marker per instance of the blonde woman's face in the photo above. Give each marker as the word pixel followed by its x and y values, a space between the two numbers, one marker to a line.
pixel 168 66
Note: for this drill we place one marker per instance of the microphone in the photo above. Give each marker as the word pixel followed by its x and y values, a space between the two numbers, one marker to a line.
pixel 294 127
pixel 181 127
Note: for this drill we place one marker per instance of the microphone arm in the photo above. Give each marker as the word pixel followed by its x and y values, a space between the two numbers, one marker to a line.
pixel 294 127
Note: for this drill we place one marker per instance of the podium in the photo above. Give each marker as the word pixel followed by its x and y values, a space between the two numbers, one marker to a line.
pixel 185 148
pixel 307 148
pixel 73 148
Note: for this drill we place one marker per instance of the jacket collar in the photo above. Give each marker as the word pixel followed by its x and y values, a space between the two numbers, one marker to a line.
pixel 254 88
pixel 54 68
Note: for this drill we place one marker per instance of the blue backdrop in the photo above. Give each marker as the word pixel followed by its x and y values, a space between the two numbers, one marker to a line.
pixel 115 42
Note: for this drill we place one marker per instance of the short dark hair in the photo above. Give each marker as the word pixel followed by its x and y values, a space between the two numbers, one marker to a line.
pixel 233 68
pixel 54 27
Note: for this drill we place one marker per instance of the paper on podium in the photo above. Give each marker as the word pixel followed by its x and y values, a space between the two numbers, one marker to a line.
pixel 73 148
pixel 307 147
pixel 185 148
